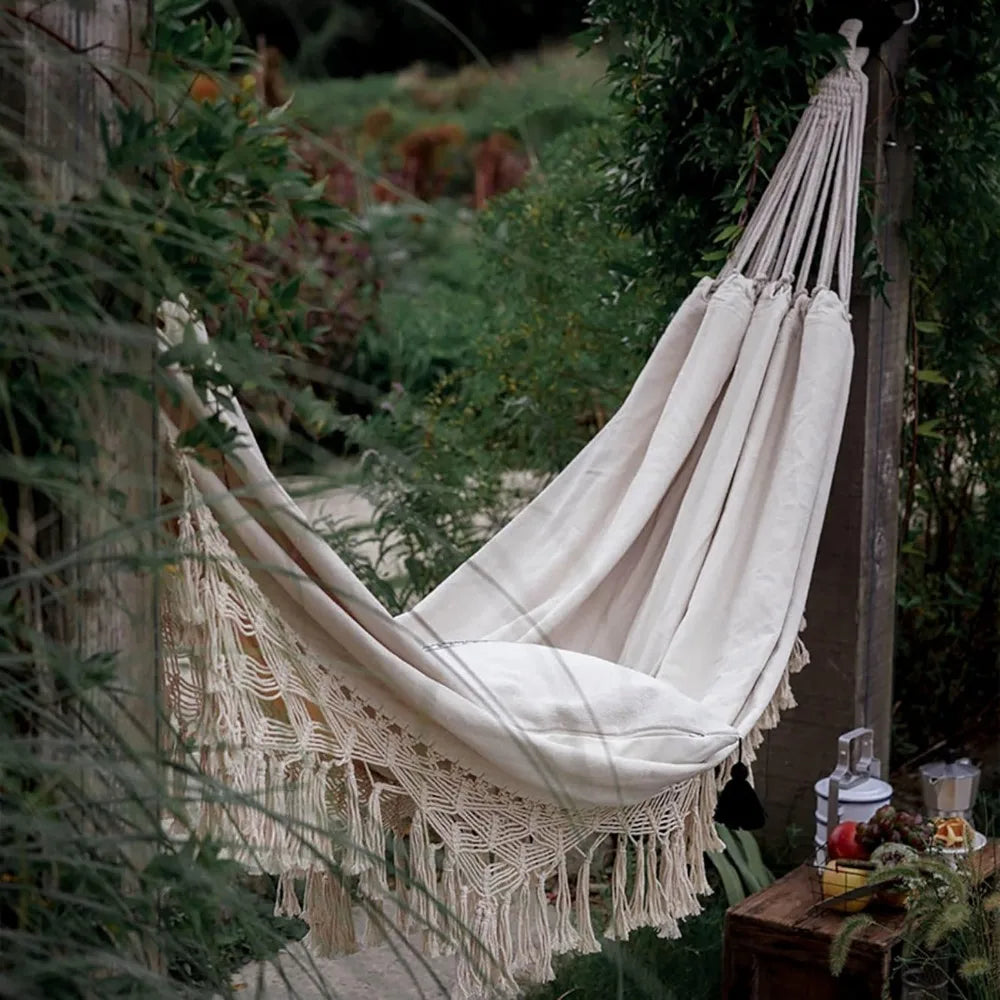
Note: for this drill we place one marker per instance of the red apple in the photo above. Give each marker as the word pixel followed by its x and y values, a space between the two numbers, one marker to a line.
pixel 843 842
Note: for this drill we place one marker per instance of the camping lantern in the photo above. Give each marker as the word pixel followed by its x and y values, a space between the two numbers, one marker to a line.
pixel 854 791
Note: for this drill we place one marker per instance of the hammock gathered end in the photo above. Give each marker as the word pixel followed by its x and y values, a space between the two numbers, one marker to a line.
pixel 594 670
pixel 803 230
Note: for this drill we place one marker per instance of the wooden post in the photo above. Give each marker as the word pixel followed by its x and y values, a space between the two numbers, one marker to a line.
pixel 851 608
pixel 66 65
pixel 81 57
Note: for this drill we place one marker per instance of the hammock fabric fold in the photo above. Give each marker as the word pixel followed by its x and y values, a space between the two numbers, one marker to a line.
pixel 595 669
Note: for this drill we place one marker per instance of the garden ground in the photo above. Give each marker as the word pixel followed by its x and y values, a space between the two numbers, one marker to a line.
pixel 390 970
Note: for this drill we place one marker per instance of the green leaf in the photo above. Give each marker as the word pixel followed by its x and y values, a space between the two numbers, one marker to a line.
pixel 929 375
pixel 738 857
pixel 751 851
pixel 732 885
pixel 211 433
pixel 728 233
pixel 928 429
pixel 927 326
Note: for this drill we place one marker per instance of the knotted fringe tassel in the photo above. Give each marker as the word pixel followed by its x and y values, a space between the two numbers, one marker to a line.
pixel 667 926
pixel 589 944
pixel 427 910
pixel 373 880
pixel 539 969
pixel 566 937
pixel 356 858
pixel 456 901
pixel 637 908
pixel 656 897
pixel 618 926
pixel 327 910
pixel 286 902
pixel 481 968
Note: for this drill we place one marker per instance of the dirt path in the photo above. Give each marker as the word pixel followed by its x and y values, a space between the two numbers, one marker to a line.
pixel 389 972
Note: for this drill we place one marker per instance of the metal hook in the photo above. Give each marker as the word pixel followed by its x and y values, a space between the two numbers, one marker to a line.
pixel 916 12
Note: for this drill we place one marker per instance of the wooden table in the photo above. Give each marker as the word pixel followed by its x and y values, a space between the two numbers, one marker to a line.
pixel 777 948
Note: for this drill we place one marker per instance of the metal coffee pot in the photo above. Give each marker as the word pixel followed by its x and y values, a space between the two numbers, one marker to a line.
pixel 950 789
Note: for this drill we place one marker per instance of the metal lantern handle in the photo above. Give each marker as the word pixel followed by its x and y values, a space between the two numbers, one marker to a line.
pixel 856 761
pixel 916 13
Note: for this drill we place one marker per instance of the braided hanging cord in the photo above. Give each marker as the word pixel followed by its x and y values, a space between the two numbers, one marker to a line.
pixel 814 189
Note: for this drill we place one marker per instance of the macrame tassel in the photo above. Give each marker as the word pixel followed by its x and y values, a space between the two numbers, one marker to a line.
pixel 618 929
pixel 522 902
pixel 657 904
pixel 373 880
pixel 423 894
pixel 685 875
pixel 355 859
pixel 738 806
pixel 327 910
pixel 565 938
pixel 483 966
pixel 286 903
pixel 454 899
pixel 504 953
pixel 584 922
pixel 637 910
pixel 541 968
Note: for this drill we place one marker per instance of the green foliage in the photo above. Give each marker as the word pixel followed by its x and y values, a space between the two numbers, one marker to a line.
pixel 211 919
pixel 947 636
pixel 707 113
pixel 647 967
pixel 951 923
pixel 740 867
pixel 536 97
pixel 849 929
pixel 565 322
pixel 96 898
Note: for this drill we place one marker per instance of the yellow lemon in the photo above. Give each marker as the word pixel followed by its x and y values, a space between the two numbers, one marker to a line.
pixel 838 879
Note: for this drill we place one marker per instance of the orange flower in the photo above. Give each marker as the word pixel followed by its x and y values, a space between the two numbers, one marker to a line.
pixel 204 88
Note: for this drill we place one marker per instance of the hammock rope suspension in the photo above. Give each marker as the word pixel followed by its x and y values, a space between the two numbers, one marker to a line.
pixel 814 188
pixel 596 669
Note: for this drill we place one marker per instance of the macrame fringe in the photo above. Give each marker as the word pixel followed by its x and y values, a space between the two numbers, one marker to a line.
pixel 503 900
pixel 328 913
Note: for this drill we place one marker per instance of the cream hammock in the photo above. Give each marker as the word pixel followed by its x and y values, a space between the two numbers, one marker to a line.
pixel 595 669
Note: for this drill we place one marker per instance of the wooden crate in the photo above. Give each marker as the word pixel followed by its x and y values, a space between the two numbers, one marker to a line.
pixel 776 948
